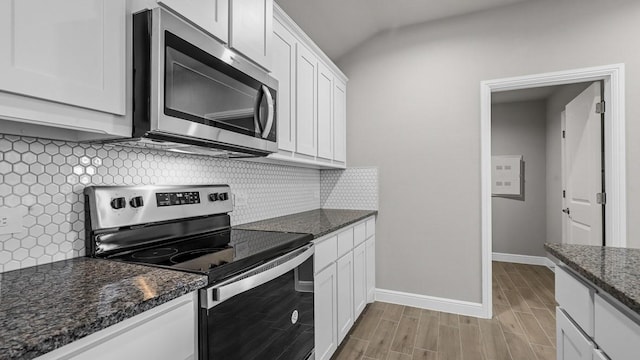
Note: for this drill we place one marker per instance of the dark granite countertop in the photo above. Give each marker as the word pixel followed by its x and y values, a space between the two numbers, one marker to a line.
pixel 45 307
pixel 614 270
pixel 317 222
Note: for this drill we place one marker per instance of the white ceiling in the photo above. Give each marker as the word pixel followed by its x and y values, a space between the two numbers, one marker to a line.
pixel 338 26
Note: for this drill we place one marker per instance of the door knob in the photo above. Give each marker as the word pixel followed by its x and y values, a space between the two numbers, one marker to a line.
pixel 566 211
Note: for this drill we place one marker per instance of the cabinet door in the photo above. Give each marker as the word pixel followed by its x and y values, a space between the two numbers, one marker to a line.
pixel 359 279
pixel 67 51
pixel 284 70
pixel 325 313
pixel 371 268
pixel 340 121
pixel 599 355
pixel 251 29
pixel 210 15
pixel 576 298
pixel 306 105
pixel 345 295
pixel 572 344
pixel 325 112
pixel 616 332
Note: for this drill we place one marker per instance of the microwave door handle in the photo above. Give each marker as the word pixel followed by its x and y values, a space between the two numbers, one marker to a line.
pixel 256 111
pixel 270 113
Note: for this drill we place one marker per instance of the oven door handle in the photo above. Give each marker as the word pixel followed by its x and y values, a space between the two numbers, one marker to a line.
pixel 262 274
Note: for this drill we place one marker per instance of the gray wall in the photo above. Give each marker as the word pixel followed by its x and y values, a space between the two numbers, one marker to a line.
pixel 414 111
pixel 519 226
pixel 555 106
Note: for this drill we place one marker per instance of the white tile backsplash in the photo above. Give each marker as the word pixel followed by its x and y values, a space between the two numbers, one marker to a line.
pixel 44 179
pixel 353 188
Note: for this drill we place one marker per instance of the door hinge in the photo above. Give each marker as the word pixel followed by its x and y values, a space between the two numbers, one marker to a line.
pixel 600 107
pixel 601 198
pixel 564 134
pixel 564 194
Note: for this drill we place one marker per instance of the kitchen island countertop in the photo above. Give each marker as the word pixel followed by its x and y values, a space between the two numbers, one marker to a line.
pixel 614 270
pixel 45 307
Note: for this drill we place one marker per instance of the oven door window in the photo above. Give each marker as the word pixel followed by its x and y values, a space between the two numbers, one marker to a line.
pixel 273 321
pixel 204 89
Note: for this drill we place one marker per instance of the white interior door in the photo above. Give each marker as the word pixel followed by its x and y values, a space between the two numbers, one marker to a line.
pixel 582 169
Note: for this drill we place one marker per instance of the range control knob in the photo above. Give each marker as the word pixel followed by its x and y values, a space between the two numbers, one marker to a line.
pixel 223 196
pixel 118 203
pixel 136 202
pixel 214 197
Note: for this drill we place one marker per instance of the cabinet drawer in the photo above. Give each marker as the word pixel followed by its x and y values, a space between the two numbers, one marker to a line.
pixel 326 252
pixel 371 227
pixel 359 234
pixel 571 344
pixel 616 334
pixel 345 242
pixel 576 298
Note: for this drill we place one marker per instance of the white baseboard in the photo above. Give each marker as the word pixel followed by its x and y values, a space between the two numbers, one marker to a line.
pixel 431 303
pixel 524 259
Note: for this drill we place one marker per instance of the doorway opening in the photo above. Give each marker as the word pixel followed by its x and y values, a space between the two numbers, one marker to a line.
pixel 612 78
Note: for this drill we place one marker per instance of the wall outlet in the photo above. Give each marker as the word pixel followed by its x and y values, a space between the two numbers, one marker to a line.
pixel 10 220
pixel 240 199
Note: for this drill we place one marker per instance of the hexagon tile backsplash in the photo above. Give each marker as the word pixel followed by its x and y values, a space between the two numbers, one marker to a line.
pixel 44 179
pixel 353 188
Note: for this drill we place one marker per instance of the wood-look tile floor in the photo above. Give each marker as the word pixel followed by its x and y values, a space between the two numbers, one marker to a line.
pixel 522 328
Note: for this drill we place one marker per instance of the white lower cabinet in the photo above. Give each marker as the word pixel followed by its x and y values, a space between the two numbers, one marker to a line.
pixel 325 313
pixel 343 262
pixel 572 344
pixel 591 324
pixel 359 279
pixel 345 294
pixel 370 253
pixel 616 333
pixel 167 332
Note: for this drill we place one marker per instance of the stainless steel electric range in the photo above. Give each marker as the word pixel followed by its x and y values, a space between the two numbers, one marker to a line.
pixel 259 301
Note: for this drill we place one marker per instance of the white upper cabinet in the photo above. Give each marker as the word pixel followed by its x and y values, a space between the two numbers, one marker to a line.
pixel 306 104
pixel 340 121
pixel 67 51
pixel 311 100
pixel 251 29
pixel 283 66
pixel 325 112
pixel 211 15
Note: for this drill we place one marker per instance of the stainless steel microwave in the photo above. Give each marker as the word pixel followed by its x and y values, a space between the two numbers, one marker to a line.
pixel 192 94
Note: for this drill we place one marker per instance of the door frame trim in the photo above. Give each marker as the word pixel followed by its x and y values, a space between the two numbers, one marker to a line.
pixel 615 152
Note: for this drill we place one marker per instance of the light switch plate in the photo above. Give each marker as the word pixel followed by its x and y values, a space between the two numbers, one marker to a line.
pixel 10 220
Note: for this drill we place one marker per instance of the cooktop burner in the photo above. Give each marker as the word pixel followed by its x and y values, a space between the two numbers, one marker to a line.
pixel 192 254
pixel 150 254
